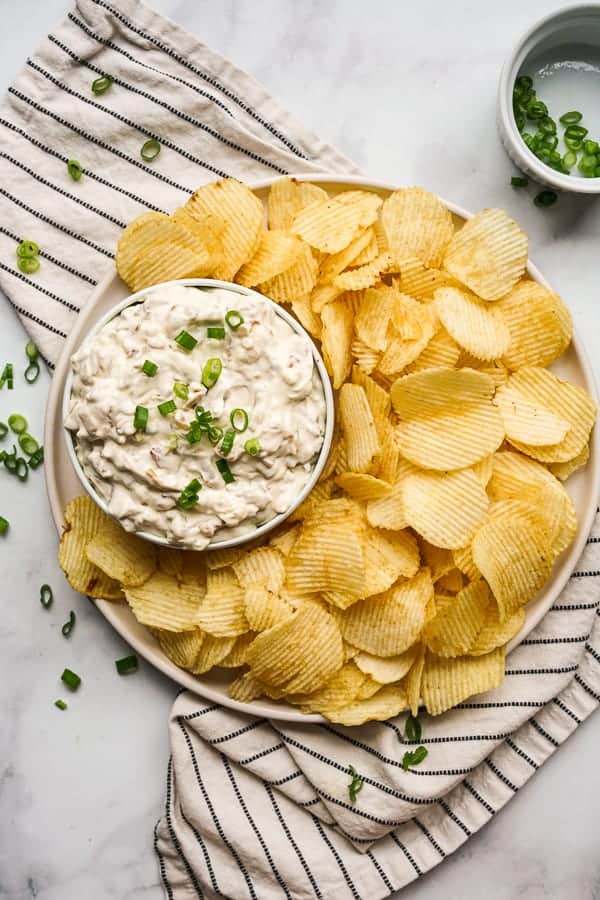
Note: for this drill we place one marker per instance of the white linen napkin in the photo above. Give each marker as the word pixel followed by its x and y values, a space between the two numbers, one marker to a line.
pixel 254 808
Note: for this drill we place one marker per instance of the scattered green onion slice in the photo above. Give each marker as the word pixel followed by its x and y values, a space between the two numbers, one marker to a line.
pixel 252 447
pixel 569 159
pixel 140 418
pixel 69 625
pixel 27 250
pixel 234 319
pixel 187 501
pixel 4 525
pixel 166 408
pixel 576 131
pixel 150 150
pixel 571 118
pixel 203 417
pixel 149 368
pixel 31 351
pixel 547 125
pixel 71 679
pixel 226 473
pixel 194 434
pixel 36 458
pixel 217 333
pixel 61 704
pixel 536 109
pixel 545 198
pixel 587 165
pixel 127 665
pixel 211 371
pixel 7 376
pixel 239 420
pixel 32 373
pixel 181 390
pixel 524 81
pixel 413 728
pixel 356 785
pixel 28 444
pixel 186 340
pixel 519 181
pixel 173 441
pixel 414 758
pixel 46 596
pixel 27 265
pixel 3 430
pixel 22 469
pixel 17 423
pixel 227 442
pixel 10 460
pixel 214 433
pixel 591 147
pixel 102 84
pixel 75 169
pixel 573 143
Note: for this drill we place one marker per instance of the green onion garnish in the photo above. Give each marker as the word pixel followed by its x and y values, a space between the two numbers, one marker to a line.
pixel 31 351
pixel 36 458
pixel 28 444
pixel 239 420
pixel 194 434
pixel 211 371
pixel 234 319
pixel 181 390
pixel 414 758
pixel 252 447
pixel 3 430
pixel 571 118
pixel 27 250
pixel 140 418
pixel 71 679
pixel 524 82
pixel 186 340
pixel 547 125
pixel 127 665
pixel 61 704
pixel 570 158
pixel 189 495
pixel 10 460
pixel 216 333
pixel 173 441
pixel 75 169
pixel 227 442
pixel 149 368
pixel 7 377
pixel 69 625
pixel 573 143
pixel 587 165
pixel 102 84
pixel 204 417
pixel 536 109
pixel 519 181
pixel 17 423
pixel 28 266
pixel 22 469
pixel 226 473
pixel 150 150
pixel 356 785
pixel 46 596
pixel 32 373
pixel 193 487
pixel 591 147
pixel 413 728
pixel 166 408
pixel 4 525
pixel 576 132
pixel 214 433
pixel 545 198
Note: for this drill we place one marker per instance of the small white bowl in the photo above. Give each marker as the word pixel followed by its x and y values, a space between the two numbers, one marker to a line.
pixel 327 392
pixel 571 25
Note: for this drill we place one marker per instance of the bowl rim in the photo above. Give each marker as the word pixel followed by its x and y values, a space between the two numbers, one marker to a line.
pixel 512 64
pixel 209 283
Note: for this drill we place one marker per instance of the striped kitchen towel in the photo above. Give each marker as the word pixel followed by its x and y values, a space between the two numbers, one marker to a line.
pixel 257 809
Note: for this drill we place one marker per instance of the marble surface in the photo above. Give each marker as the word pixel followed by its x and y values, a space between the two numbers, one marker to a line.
pixel 408 91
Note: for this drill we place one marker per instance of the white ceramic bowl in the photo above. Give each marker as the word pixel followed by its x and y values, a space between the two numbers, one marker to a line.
pixel 571 25
pixel 327 392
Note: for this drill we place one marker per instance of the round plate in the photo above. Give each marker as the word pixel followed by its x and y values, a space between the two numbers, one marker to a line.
pixel 63 485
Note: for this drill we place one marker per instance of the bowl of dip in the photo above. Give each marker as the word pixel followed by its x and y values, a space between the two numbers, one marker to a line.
pixel 198 413
pixel 548 109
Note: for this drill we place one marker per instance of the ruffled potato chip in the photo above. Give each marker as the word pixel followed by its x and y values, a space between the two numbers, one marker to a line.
pixel 163 602
pixel 182 647
pixel 121 555
pixel 564 470
pixel 389 670
pixel 412 681
pixel 373 317
pixel 246 688
pixel 473 324
pixel 441 352
pixel 264 565
pixel 237 655
pixel 387 557
pixel 329 226
pixel 358 428
pixel 445 508
pixel 288 197
pixel 362 487
pixel 329 556
pixel 417 224
pixel 342 688
pixel 83 520
pixel 336 340
pixel 294 282
pixel 334 264
pixel 419 281
pixel 495 633
pixel 447 682
pixel 455 627
pixel 386 703
pixel 276 253
pixel 264 607
pixel 364 276
pixel 223 610
pixel 540 325
pixel 212 653
pixel 528 422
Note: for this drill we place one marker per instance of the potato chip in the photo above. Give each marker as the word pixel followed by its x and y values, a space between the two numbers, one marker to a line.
pixel 402 351
pixel 484 468
pixel 431 392
pixel 319 494
pixel 389 623
pixel 488 254
pixel 389 457
pixel 438 560
pixel 261 566
pixel 339 690
pixel 447 682
pixel 121 555
pixel 334 264
pixel 329 226
pixel 445 508
pixel 283 539
pixel 223 610
pixel 83 520
pixel 496 633
pixel 163 602
pixel 265 607
pixel 212 653
pixel 388 511
pixel 295 282
pixel 366 358
pixel 473 324
pixel 362 487
pixel 388 555
pixel 564 470
pixel 336 340
pixel 322 295
pixel 441 351
pixel 377 398
pixel 302 309
pixel 288 197
pixel 181 647
pixel 540 325
pixel 237 655
pixel 242 212
pixel 276 253
pixel 219 559
pixel 528 422
pixel 412 681
pixel 373 317
pixel 387 671
pixel 386 703
pixel 419 281
pixel 368 202
pixel 329 557
pixel 245 688
pixel 358 427
pixel 371 250
pixel 454 629
pixel 364 276
pixel 452 582
pixel 463 559
pixel 417 224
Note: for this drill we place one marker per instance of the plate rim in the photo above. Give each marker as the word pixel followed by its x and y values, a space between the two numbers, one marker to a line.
pixel 158 659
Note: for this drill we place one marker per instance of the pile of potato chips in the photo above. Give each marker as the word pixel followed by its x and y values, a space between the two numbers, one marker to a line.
pixel 441 510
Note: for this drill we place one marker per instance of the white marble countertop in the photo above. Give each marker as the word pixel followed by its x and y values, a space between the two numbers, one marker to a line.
pixel 408 91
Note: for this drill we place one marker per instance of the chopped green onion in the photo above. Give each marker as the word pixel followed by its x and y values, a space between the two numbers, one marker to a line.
pixel 545 198
pixel 102 84
pixel 413 728
pixel 214 433
pixel 166 408
pixel 4 525
pixel 194 434
pixel 32 373
pixel 36 458
pixel 227 442
pixel 61 704
pixel 186 340
pixel 173 441
pixel 571 118
pixel 27 250
pixel 69 625
pixel 17 423
pixel 234 319
pixel 519 181
pixel 239 420
pixel 524 81
pixel 193 487
pixel 215 333
pixel 591 147
pixel 71 679
pixel 181 390
pixel 536 109
pixel 75 169
pixel 204 417
pixel 127 665
pixel 22 469
pixel 356 785
pixel 7 377
pixel 414 758
pixel 226 473
pixel 28 444
pixel 578 132
pixel 46 596
pixel 573 143
pixel 211 371
pixel 550 142
pixel 3 430
pixel 187 501
pixel 149 368
pixel 150 150
pixel 587 165
pixel 252 447
pixel 569 159
pixel 31 351
pixel 520 119
pixel 28 266
pixel 10 460
pixel 547 125
pixel 140 418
